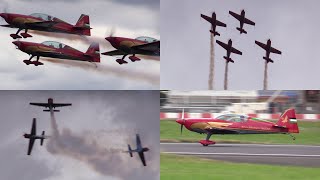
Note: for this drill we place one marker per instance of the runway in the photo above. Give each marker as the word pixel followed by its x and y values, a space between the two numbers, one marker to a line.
pixel 295 155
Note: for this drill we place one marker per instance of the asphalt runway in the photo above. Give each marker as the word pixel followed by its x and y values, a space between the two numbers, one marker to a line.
pixel 294 155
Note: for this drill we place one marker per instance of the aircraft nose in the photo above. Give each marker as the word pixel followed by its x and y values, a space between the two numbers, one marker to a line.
pixel 4 15
pixel 180 121
pixel 110 39
pixel 17 43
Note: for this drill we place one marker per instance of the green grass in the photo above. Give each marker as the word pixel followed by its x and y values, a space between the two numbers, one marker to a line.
pixel 309 134
pixel 174 167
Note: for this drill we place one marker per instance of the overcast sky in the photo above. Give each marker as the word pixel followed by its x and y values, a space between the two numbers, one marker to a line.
pixel 292 26
pixel 127 18
pixel 104 120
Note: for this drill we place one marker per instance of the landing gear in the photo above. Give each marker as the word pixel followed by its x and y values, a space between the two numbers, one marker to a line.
pixel 133 58
pixel 121 61
pixel 36 63
pixel 207 141
pixel 293 138
pixel 25 34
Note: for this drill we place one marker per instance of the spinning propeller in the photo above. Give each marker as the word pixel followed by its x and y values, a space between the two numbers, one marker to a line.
pixel 182 121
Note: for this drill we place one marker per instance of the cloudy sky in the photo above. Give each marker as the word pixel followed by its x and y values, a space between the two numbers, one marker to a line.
pixel 291 25
pixel 127 19
pixel 94 131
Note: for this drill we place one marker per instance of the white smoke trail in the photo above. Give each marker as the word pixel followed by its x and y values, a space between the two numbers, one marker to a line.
pixel 101 158
pixel 211 66
pixel 265 79
pixel 226 76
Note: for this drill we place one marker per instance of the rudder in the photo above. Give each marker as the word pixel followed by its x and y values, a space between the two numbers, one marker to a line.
pixel 288 120
pixel 83 24
pixel 94 51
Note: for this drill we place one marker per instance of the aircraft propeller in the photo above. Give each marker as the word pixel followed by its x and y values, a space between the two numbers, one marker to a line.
pixel 182 118
pixel 110 32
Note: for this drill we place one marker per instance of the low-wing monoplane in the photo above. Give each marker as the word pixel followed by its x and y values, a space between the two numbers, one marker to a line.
pixel 268 49
pixel 51 105
pixel 214 23
pixel 140 150
pixel 44 22
pixel 125 46
pixel 242 19
pixel 240 124
pixel 58 50
pixel 33 136
pixel 228 47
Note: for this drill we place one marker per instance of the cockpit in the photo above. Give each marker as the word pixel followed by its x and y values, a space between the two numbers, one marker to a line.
pixel 146 39
pixel 233 117
pixel 56 45
pixel 44 17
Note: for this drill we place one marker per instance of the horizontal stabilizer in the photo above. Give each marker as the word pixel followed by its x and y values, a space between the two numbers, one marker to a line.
pixel 241 30
pixel 54 110
pixel 228 59
pixel 129 150
pixel 41 141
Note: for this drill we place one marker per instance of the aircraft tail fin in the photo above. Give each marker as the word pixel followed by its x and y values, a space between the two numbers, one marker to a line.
pixel 215 33
pixel 288 120
pixel 94 52
pixel 228 59
pixel 41 141
pixel 241 30
pixel 83 25
pixel 268 59
pixel 129 150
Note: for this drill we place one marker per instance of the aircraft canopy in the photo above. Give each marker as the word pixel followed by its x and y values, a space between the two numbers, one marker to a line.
pixel 57 45
pixel 146 39
pixel 233 117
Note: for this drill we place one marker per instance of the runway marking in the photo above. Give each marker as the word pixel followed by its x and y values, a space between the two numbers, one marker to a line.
pixel 269 145
pixel 245 154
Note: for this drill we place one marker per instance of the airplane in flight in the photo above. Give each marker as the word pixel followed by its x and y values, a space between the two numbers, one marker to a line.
pixel 50 105
pixel 58 50
pixel 214 23
pixel 33 136
pixel 140 150
pixel 268 49
pixel 229 49
pixel 140 45
pixel 242 19
pixel 240 124
pixel 44 22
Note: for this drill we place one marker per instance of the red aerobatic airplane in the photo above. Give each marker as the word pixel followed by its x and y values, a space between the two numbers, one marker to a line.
pixel 44 22
pixel 241 18
pixel 51 105
pixel 125 46
pixel 214 23
pixel 54 49
pixel 229 49
pixel 240 124
pixel 268 49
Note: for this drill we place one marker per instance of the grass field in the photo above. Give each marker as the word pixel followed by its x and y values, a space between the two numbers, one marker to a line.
pixel 309 134
pixel 174 167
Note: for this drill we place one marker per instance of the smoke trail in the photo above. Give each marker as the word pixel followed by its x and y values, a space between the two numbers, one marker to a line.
pixel 265 80
pixel 101 158
pixel 107 70
pixel 226 76
pixel 211 66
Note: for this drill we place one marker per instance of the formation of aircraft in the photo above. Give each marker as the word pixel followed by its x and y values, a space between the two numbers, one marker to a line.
pixel 51 105
pixel 240 124
pixel 33 136
pixel 140 150
pixel 214 23
pixel 242 19
pixel 125 46
pixel 44 22
pixel 268 49
pixel 228 47
pixel 54 49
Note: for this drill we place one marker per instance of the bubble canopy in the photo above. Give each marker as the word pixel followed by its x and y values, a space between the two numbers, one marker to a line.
pixel 147 39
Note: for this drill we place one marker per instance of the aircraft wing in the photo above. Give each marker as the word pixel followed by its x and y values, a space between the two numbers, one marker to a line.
pixel 236 51
pixel 225 46
pixel 247 21
pixel 60 104
pixel 142 158
pixel 235 15
pixel 153 46
pixel 209 19
pixel 138 141
pixel 7 25
pixel 263 46
pixel 34 126
pixel 219 23
pixel 43 24
pixel 40 104
pixel 273 50
pixel 113 53
pixel 31 142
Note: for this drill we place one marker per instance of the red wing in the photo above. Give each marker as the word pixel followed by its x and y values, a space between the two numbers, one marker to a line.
pixel 219 23
pixel 237 16
pixel 236 51
pixel 273 50
pixel 225 46
pixel 263 46
pixel 206 18
pixel 113 53
pixel 247 21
